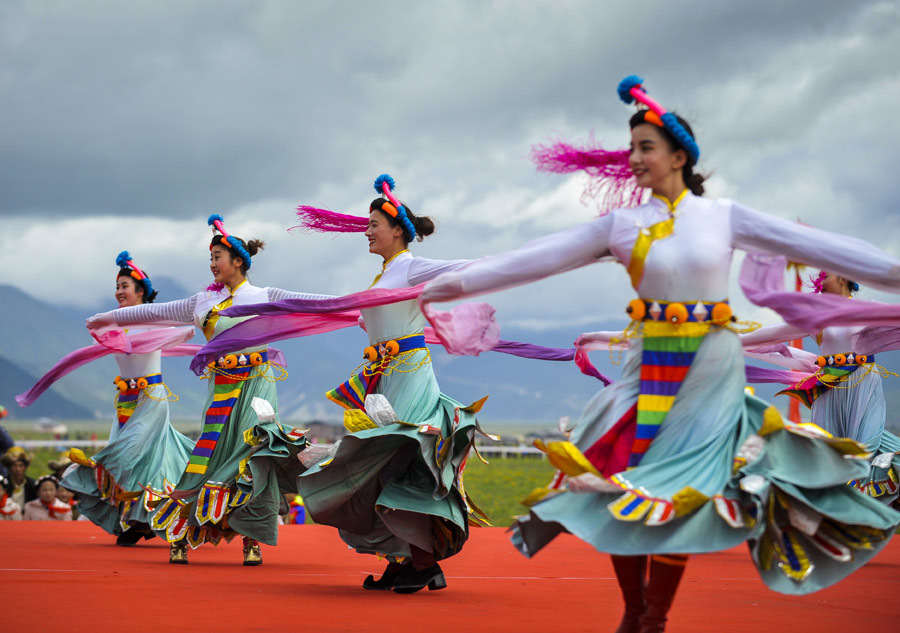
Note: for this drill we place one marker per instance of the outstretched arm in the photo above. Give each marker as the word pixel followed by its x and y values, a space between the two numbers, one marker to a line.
pixel 847 256
pixel 159 314
pixel 277 294
pixel 772 334
pixel 575 247
pixel 422 269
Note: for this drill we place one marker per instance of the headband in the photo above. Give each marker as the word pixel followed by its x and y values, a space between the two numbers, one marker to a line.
pixel 384 185
pixel 124 261
pixel 631 90
pixel 231 241
pixel 44 478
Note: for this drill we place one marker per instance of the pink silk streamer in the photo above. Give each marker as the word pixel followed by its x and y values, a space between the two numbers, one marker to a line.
pixel 782 376
pixel 110 342
pixel 762 280
pixel 467 329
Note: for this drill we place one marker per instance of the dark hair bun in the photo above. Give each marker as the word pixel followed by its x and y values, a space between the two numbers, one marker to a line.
pixel 424 226
pixel 254 246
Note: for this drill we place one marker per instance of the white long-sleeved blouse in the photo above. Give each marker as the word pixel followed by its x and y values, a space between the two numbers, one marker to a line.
pixel 691 264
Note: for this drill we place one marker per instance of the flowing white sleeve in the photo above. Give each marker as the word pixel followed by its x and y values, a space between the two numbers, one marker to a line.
pixel 847 256
pixel 573 248
pixel 772 334
pixel 277 294
pixel 422 269
pixel 169 313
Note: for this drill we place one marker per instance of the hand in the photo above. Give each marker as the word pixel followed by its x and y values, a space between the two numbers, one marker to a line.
pixel 444 288
pixel 101 321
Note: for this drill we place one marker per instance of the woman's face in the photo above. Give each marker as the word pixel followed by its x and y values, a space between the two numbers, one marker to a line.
pixel 651 159
pixel 128 292
pixel 64 494
pixel 383 238
pixel 224 270
pixel 835 284
pixel 47 491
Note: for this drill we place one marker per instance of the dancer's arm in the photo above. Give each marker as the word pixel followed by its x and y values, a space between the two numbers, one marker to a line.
pixel 277 294
pixel 159 314
pixel 778 333
pixel 422 269
pixel 846 256
pixel 575 247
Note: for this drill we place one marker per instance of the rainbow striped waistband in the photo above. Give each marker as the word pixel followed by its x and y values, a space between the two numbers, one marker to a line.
pixel 718 312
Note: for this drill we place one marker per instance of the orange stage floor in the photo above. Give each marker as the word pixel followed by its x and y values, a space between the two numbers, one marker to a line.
pixel 68 577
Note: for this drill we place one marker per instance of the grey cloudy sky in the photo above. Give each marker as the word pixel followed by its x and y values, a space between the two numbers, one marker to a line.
pixel 124 125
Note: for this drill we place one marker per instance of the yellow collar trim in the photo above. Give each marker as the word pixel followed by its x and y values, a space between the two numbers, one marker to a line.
pixel 385 265
pixel 232 291
pixel 672 206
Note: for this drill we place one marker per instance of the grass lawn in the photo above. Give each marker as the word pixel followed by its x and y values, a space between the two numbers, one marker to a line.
pixel 498 487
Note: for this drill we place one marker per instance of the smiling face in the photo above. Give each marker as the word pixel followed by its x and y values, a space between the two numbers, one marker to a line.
pixel 384 239
pixel 225 270
pixel 128 292
pixel 654 163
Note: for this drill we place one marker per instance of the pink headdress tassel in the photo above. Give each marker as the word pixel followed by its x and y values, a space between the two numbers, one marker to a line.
pixel 610 183
pixel 325 221
pixel 818 283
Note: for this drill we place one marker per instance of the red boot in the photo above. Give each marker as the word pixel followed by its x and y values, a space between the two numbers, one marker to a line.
pixel 631 572
pixel 665 574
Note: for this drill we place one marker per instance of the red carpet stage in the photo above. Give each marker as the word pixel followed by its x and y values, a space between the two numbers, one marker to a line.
pixel 68 577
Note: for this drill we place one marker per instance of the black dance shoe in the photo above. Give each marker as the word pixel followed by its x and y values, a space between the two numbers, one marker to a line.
pixel 415 580
pixel 391 574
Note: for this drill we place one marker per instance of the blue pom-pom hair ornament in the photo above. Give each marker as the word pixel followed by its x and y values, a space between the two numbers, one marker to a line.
pixel 216 221
pixel 123 260
pixel 385 185
pixel 631 89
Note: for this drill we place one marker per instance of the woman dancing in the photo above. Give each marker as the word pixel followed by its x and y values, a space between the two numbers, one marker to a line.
pixel 117 485
pixel 845 396
pixel 244 459
pixel 675 458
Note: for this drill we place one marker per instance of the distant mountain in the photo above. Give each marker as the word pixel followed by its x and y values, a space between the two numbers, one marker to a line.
pixel 35 334
pixel 14 380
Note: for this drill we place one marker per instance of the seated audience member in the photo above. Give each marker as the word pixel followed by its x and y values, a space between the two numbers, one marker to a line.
pixel 47 507
pixel 9 509
pixel 22 488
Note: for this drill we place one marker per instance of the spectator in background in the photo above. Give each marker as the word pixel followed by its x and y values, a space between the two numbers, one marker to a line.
pixel 47 507
pixel 23 488
pixel 6 443
pixel 59 466
pixel 9 509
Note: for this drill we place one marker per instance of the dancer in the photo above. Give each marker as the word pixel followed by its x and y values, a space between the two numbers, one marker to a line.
pixel 118 485
pixel 675 458
pixel 393 487
pixel 244 456
pixel 845 396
